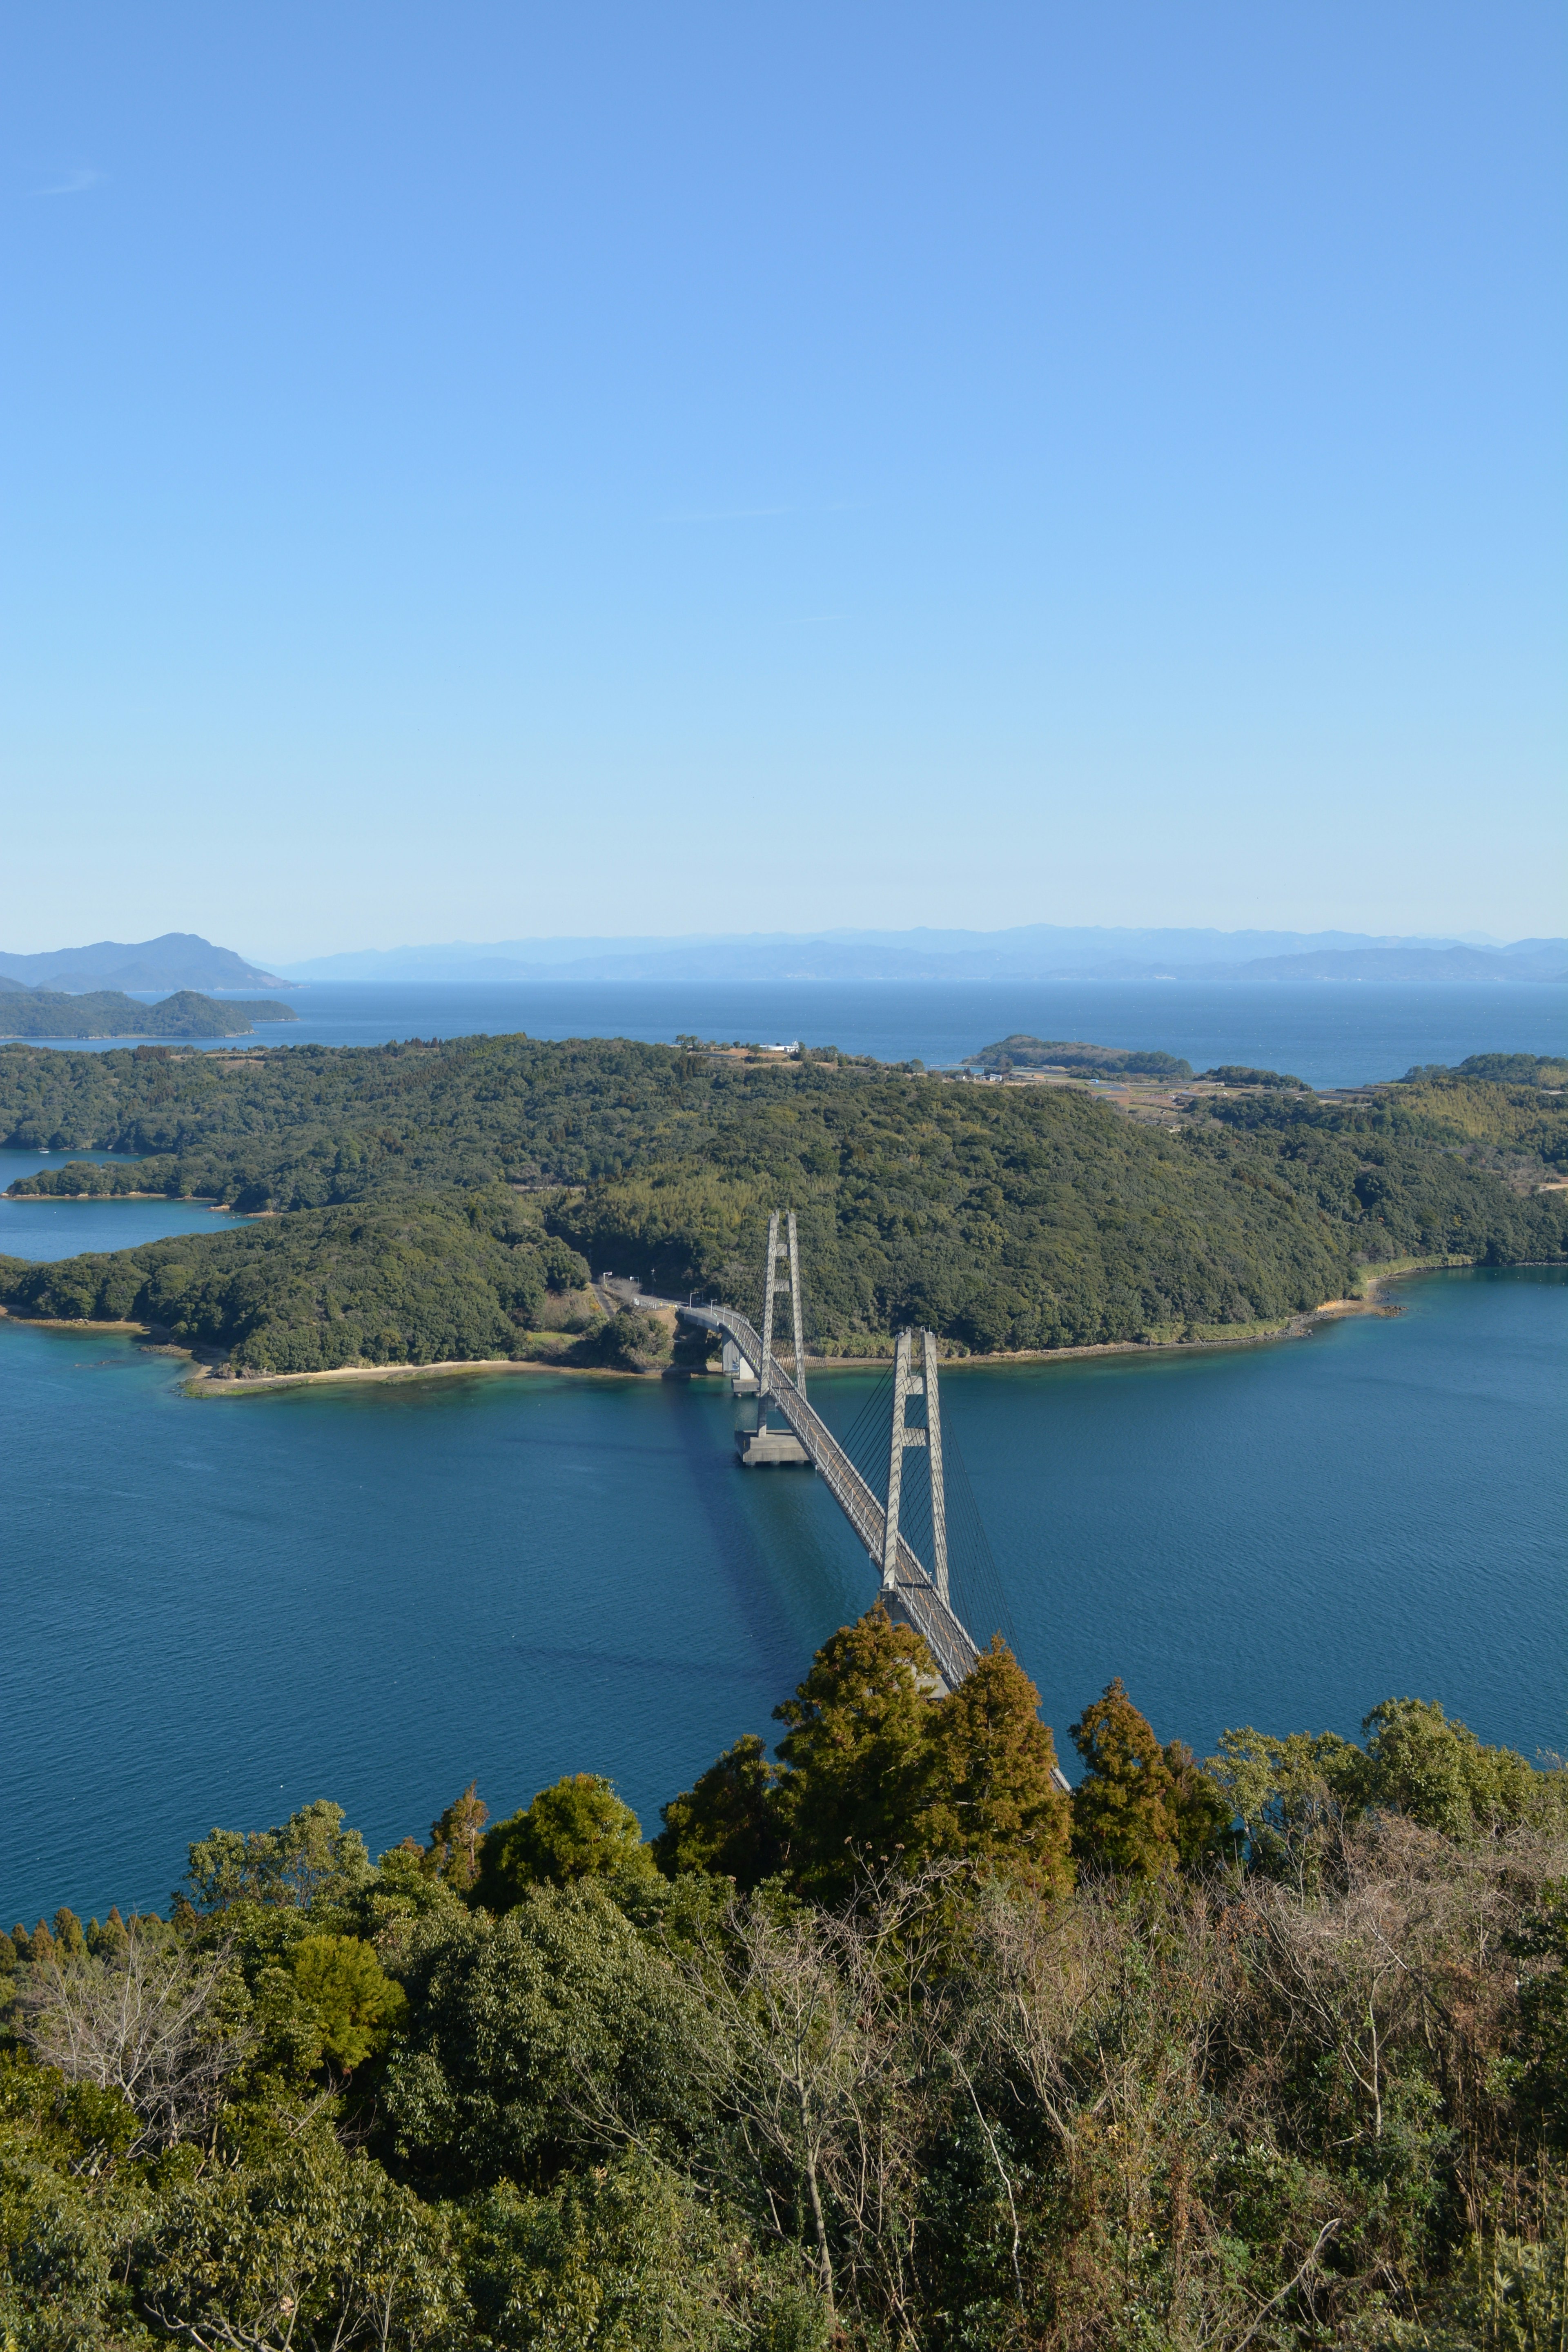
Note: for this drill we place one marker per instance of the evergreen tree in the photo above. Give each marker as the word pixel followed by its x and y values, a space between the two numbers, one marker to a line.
pixel 728 1823
pixel 1204 1813
pixel 993 1790
pixel 69 1938
pixel 1124 1809
pixel 1431 1767
pixel 858 1752
pixel 453 1853
pixel 577 1829
pixel 354 2002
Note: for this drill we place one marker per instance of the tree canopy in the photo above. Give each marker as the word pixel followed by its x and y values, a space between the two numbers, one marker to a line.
pixel 1001 1218
pixel 858 2064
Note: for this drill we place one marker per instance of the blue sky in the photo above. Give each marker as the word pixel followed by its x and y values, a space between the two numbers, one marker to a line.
pixel 494 471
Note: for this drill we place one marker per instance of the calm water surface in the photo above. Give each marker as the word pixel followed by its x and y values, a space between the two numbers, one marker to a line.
pixel 218 1610
pixel 1331 1033
pixel 50 1229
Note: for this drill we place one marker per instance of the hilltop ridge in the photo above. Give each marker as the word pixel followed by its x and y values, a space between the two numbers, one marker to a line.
pixel 176 959
pixel 422 1195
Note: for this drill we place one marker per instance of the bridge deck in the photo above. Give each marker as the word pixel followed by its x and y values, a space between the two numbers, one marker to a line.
pixel 912 1596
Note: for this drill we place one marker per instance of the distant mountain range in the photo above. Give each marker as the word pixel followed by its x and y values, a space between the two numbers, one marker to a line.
pixel 177 960
pixel 1032 953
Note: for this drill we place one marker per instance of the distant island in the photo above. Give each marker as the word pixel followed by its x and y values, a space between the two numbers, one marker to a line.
pixel 177 960
pixel 108 1013
pixel 1029 951
pixel 1021 1053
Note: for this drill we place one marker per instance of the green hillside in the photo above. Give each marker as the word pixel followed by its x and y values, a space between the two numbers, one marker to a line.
pixel 1002 1218
pixel 109 1012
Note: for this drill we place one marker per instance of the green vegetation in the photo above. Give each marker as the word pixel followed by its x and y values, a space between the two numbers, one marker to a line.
pixel 1271 2052
pixel 108 1013
pixel 425 1279
pixel 1236 1074
pixel 1503 1069
pixel 1515 1133
pixel 1023 1052
pixel 1000 1217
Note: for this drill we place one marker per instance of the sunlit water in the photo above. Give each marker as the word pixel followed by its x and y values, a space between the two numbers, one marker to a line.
pixel 216 1609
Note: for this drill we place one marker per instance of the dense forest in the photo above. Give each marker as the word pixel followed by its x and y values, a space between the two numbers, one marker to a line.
pixel 109 1012
pixel 881 2043
pixel 423 1190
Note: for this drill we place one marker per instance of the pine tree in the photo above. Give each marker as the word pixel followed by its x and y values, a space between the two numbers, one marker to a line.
pixel 1124 1809
pixel 994 1796
pixel 858 1753
pixel 69 1936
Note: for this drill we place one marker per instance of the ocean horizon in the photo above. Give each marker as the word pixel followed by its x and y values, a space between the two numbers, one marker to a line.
pixel 1329 1032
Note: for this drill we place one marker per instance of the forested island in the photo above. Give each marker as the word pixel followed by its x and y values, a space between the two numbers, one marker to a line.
pixel 1020 1052
pixel 883 2041
pixel 108 1013
pixel 444 1202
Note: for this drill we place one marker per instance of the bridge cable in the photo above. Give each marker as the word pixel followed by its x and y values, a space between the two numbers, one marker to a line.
pixel 978 1598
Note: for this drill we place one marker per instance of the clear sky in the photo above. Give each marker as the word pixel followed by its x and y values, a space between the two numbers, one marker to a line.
pixel 492 470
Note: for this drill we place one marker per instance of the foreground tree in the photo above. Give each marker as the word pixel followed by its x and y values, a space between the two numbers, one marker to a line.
pixel 577 1829
pixel 995 1797
pixel 354 2002
pixel 148 2025
pixel 1430 1767
pixel 309 1857
pixel 1124 1809
pixel 879 1770
pixel 728 1822
pixel 858 1753
pixel 552 2033
pixel 313 2249
pixel 453 1853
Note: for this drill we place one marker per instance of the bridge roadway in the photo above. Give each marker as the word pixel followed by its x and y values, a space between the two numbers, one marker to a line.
pixel 912 1596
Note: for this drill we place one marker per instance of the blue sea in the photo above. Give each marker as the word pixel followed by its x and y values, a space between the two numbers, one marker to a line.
pixel 218 1609
pixel 1329 1032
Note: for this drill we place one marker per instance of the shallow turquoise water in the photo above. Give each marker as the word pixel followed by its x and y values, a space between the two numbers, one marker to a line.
pixel 217 1610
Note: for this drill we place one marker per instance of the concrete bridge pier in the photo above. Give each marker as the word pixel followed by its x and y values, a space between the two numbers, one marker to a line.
pixel 742 1378
pixel 770 1448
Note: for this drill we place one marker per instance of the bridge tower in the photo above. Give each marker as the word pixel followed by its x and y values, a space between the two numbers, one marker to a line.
pixel 907 1383
pixel 762 1445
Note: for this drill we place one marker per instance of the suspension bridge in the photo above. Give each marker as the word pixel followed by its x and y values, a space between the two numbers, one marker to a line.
pixel 915 1591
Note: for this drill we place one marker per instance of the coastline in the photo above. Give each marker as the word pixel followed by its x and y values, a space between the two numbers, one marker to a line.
pixel 177 1200
pixel 208 1381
